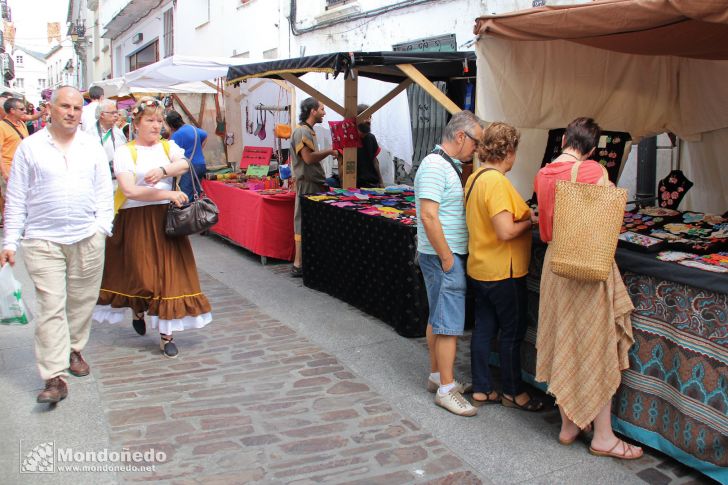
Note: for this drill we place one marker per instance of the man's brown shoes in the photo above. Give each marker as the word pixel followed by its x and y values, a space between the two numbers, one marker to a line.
pixel 55 390
pixel 78 366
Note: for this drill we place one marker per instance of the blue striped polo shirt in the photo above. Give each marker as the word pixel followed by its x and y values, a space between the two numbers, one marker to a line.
pixel 436 180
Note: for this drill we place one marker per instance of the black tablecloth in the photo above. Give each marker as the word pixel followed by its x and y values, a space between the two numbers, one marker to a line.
pixel 365 261
pixel 647 264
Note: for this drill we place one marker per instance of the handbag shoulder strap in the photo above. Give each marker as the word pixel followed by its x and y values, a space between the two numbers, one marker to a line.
pixel 604 180
pixel 575 171
pixel 194 147
pixel 474 180
pixel 441 152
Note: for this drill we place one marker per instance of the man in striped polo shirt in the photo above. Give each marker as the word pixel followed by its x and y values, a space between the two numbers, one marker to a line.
pixel 442 244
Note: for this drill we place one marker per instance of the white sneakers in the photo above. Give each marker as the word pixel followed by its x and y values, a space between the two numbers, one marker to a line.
pixel 462 388
pixel 454 402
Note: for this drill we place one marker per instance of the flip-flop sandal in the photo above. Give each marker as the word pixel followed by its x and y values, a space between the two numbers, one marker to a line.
pixel 533 405
pixel 627 453
pixel 483 402
pixel 571 441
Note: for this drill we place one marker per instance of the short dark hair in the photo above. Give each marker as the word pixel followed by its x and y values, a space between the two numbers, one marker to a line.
pixel 360 108
pixel 582 135
pixel 11 103
pixel 95 92
pixel 307 105
pixel 174 120
pixel 6 94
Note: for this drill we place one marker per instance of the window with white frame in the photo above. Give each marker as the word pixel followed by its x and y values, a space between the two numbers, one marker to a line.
pixel 18 60
pixel 19 82
pixel 41 83
pixel 169 32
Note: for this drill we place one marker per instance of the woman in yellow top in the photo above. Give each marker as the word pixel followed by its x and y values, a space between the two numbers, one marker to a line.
pixel 499 246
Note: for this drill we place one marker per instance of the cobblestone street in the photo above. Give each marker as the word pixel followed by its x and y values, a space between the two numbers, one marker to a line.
pixel 286 385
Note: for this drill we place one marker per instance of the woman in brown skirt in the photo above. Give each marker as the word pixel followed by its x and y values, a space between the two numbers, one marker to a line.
pixel 145 270
pixel 584 328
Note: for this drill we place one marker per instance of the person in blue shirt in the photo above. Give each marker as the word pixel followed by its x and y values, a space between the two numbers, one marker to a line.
pixel 191 139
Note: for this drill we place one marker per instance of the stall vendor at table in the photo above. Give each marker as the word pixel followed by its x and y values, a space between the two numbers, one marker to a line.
pixel 306 161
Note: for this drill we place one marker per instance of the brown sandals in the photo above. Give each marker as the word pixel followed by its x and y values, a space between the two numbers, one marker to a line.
pixel 533 404
pixel 568 442
pixel 488 400
pixel 628 452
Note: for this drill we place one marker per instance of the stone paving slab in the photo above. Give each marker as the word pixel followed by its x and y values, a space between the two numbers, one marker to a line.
pixel 251 400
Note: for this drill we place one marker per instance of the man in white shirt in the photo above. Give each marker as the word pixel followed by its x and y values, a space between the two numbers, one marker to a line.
pixel 88 119
pixel 105 129
pixel 59 200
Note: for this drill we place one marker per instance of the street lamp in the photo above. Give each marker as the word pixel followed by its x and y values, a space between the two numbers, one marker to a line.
pixel 78 31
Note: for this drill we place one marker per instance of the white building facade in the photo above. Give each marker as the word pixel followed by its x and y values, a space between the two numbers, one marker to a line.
pixel 31 73
pixel 133 33
pixel 61 65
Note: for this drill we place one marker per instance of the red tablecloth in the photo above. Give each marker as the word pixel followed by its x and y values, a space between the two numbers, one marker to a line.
pixel 262 224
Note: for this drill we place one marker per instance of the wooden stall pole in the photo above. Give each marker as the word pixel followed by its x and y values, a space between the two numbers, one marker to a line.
pixel 367 113
pixel 351 85
pixel 328 102
pixel 186 111
pixel 413 73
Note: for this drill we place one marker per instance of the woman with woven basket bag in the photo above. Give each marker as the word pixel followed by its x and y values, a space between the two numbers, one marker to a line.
pixel 584 326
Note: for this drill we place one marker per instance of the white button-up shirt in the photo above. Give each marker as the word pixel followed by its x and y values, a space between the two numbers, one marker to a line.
pixel 57 197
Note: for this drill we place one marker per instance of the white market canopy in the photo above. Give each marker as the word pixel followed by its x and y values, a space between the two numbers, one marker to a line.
pixel 118 87
pixel 182 69
pixel 644 67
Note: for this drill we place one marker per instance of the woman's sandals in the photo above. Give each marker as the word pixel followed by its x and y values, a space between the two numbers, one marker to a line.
pixel 168 348
pixel 627 453
pixel 570 441
pixel 139 325
pixel 532 405
pixel 492 397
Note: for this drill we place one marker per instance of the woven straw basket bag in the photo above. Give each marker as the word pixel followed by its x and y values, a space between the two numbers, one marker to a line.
pixel 587 221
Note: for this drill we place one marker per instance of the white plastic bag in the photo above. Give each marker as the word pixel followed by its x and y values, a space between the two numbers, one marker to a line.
pixel 12 308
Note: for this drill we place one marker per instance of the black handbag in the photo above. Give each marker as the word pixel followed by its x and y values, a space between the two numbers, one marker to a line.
pixel 199 215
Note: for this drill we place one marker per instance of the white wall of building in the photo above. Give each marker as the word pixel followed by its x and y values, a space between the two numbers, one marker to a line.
pixel 151 29
pixel 33 73
pixel 56 62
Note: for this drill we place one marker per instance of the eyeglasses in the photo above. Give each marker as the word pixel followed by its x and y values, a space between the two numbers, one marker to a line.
pixel 475 140
pixel 19 109
pixel 112 113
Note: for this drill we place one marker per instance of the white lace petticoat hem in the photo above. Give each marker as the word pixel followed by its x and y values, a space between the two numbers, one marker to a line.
pixel 113 316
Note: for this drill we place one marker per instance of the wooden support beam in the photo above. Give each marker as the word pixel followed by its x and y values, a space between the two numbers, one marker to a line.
pixel 348 177
pixel 385 99
pixel 328 102
pixel 248 91
pixel 186 111
pixel 413 73
pixel 202 110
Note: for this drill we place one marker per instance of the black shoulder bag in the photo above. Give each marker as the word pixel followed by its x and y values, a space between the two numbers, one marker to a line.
pixel 199 215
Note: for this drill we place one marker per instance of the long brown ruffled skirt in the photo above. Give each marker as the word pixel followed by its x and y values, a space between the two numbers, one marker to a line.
pixel 584 335
pixel 149 272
